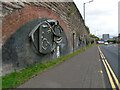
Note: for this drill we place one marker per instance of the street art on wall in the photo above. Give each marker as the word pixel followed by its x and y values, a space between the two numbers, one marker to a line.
pixel 49 34
pixel 40 40
pixel 39 33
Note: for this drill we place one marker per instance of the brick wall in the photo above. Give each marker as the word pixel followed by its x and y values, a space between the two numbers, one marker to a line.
pixel 17 14
pixel 18 18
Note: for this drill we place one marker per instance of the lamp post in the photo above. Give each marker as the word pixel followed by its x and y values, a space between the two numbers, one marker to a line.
pixel 84 20
pixel 84 8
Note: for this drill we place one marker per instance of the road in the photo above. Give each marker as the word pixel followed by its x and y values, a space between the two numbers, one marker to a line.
pixel 83 70
pixel 110 52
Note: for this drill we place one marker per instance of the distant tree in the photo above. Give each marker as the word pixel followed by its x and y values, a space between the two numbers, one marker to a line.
pixel 93 36
pixel 88 30
pixel 113 41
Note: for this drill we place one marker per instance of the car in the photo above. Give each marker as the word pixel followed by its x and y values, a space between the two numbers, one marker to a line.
pixel 111 42
pixel 106 43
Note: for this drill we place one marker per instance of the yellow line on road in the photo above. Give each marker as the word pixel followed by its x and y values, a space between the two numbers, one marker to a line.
pixel 108 72
pixel 109 76
pixel 113 74
pixel 116 80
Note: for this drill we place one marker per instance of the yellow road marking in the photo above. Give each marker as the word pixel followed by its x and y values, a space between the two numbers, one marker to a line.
pixel 109 76
pixel 108 72
pixel 100 71
pixel 116 80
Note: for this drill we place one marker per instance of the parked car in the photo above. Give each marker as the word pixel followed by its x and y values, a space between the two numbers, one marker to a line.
pixel 110 42
pixel 106 43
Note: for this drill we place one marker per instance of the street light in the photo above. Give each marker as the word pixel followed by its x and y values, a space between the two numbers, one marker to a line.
pixel 84 20
pixel 84 8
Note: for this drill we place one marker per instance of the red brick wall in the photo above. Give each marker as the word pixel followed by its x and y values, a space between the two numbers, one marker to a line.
pixel 65 12
pixel 18 18
pixel 15 15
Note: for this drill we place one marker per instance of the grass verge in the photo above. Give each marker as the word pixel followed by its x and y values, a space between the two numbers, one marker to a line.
pixel 16 78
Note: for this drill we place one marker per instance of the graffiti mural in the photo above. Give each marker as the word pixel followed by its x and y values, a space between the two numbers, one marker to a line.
pixel 36 41
pixel 49 34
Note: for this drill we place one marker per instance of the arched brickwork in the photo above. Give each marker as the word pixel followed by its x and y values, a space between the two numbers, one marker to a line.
pixel 15 20
pixel 17 48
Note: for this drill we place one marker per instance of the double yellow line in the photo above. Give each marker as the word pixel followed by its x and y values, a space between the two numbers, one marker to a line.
pixel 108 70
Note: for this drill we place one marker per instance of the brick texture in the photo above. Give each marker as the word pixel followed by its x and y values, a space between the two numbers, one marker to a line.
pixel 18 18
pixel 17 14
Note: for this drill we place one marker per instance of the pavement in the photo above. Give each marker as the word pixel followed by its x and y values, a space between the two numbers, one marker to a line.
pixel 83 70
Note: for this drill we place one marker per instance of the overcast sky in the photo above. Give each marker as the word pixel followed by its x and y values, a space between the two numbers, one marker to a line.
pixel 101 16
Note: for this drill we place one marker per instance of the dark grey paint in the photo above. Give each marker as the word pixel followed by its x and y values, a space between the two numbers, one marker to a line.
pixel 19 51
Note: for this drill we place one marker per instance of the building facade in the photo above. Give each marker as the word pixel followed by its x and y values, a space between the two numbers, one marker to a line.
pixel 105 37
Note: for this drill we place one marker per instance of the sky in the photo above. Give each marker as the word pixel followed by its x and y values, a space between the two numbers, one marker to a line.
pixel 101 16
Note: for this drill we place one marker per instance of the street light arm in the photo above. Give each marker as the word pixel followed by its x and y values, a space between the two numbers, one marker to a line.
pixel 84 8
pixel 88 2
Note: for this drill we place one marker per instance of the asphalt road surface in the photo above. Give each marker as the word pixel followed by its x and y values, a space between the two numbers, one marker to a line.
pixel 83 70
pixel 111 54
